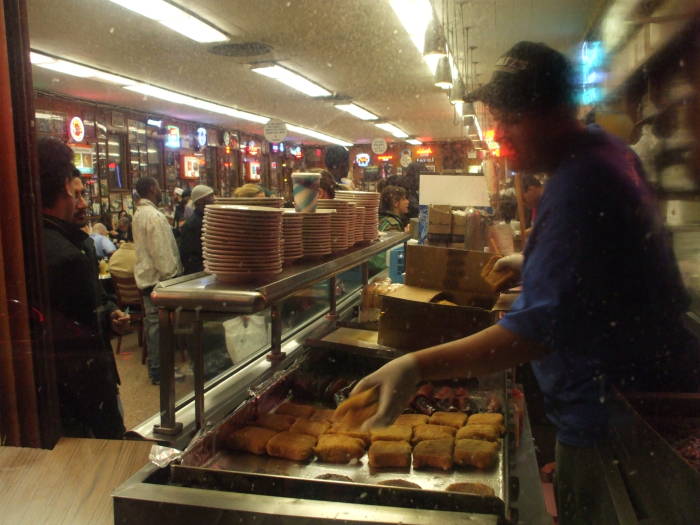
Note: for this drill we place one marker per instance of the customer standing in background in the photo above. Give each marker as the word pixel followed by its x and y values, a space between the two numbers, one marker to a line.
pixel 393 210
pixel 191 234
pixel 81 312
pixel 412 185
pixel 337 161
pixel 157 259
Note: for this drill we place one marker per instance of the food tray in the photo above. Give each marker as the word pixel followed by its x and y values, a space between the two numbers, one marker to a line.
pixel 207 465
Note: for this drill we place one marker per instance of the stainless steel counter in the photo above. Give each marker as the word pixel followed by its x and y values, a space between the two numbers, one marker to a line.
pixel 203 291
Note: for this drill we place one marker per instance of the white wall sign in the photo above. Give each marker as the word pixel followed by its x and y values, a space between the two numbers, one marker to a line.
pixel 405 160
pixel 379 146
pixel 77 129
pixel 201 137
pixel 454 190
pixel 275 131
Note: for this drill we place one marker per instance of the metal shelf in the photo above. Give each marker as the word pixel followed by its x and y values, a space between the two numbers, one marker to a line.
pixel 202 290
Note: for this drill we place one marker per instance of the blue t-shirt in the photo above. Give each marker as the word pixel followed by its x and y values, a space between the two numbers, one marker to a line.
pixel 103 246
pixel 601 288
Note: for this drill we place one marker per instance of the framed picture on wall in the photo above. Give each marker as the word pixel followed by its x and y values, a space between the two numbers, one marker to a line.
pixel 115 200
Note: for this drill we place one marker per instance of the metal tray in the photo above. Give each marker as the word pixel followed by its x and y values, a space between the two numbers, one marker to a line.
pixel 207 465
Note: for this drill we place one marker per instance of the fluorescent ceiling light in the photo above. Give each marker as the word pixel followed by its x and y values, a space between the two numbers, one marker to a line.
pixel 357 111
pixel 414 142
pixel 69 68
pixel 179 98
pixel 318 135
pixel 174 18
pixel 392 129
pixel 77 70
pixel 38 58
pixel 293 80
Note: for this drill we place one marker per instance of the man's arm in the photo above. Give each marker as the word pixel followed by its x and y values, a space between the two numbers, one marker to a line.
pixel 493 349
pixel 163 248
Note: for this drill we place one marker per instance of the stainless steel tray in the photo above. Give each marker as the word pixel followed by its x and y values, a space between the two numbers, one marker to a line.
pixel 208 465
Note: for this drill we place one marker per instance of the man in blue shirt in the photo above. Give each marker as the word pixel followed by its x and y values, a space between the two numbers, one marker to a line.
pixel 602 300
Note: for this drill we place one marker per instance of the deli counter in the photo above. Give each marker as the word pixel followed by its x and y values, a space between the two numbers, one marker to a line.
pixel 312 351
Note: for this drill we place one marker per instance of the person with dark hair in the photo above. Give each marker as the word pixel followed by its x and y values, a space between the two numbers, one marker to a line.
pixel 190 241
pixel 337 161
pixel 393 209
pixel 327 185
pixel 412 185
pixel 157 259
pixel 602 300
pixel 82 314
pixel 180 213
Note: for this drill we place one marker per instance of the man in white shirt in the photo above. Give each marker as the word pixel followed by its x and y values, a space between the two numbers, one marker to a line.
pixel 157 259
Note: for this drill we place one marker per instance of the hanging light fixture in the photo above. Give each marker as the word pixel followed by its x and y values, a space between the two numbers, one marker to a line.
pixel 457 92
pixel 434 44
pixel 443 74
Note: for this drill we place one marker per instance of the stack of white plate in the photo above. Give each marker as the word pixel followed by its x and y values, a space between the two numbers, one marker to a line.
pixel 292 223
pixel 272 202
pixel 242 243
pixel 316 233
pixel 370 201
pixel 342 236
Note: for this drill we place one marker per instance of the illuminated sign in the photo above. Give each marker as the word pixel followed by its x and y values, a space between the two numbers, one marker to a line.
pixel 591 62
pixel 201 137
pixel 254 171
pixel 491 144
pixel 295 151
pixel 362 160
pixel 172 137
pixel 424 152
pixel 154 123
pixel 252 149
pixel 190 166
pixel 385 158
pixel 77 129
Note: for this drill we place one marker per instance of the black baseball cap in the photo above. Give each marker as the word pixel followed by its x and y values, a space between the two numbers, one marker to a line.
pixel 529 76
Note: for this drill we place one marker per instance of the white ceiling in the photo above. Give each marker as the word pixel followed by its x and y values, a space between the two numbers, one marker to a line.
pixel 356 48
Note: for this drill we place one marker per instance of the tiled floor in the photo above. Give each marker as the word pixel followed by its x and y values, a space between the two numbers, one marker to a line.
pixel 139 397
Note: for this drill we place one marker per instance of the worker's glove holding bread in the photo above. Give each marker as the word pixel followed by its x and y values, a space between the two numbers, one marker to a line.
pixel 396 383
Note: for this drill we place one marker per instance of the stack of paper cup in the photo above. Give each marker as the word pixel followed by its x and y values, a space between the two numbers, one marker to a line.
pixel 306 187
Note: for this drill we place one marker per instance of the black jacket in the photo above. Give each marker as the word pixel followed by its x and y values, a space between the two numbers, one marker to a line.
pixel 80 310
pixel 190 243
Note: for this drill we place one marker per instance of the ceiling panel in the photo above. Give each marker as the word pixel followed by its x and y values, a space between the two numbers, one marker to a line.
pixel 356 48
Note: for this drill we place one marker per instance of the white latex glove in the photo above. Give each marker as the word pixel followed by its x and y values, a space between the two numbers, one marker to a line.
pixel 397 382
pixel 510 262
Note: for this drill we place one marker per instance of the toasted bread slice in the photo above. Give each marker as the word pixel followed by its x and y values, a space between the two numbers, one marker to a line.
pixel 450 419
pixel 433 453
pixel 290 445
pixel 339 448
pixel 250 439
pixel 392 433
pixel 396 454
pixel 477 453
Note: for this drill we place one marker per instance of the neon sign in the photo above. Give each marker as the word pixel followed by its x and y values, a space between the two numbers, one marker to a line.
pixel 362 159
pixel 591 63
pixel 424 152
pixel 172 137
pixel 201 137
pixel 491 144
pixel 385 158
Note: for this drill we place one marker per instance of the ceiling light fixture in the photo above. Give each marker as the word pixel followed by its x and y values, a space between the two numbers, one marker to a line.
pixel 292 79
pixel 174 18
pixel 38 58
pixel 457 92
pixel 318 135
pixel 434 43
pixel 396 132
pixel 186 100
pixel 414 142
pixel 357 111
pixel 443 74
pixel 415 16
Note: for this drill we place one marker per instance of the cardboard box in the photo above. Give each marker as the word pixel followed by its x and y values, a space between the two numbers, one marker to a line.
pixel 459 225
pixel 444 298
pixel 439 220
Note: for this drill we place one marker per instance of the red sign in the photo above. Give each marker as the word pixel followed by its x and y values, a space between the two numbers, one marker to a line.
pixel 424 152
